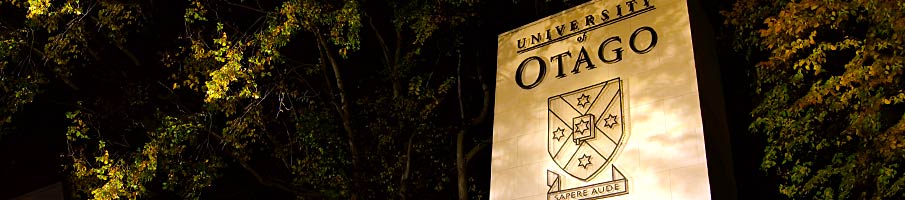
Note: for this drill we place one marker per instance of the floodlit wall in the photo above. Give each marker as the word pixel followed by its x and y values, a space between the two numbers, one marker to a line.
pixel 600 101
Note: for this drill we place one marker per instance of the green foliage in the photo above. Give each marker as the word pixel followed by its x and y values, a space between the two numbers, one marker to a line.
pixel 167 114
pixel 341 23
pixel 168 157
pixel 830 94
pixel 18 85
pixel 115 18
pixel 424 17
pixel 233 69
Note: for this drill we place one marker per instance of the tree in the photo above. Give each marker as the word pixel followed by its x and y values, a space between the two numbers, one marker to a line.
pixel 830 93
pixel 317 99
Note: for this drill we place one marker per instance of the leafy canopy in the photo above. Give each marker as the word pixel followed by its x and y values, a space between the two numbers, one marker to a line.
pixel 169 100
pixel 831 95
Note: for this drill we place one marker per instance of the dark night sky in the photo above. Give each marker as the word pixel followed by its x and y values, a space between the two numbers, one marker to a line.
pixel 31 155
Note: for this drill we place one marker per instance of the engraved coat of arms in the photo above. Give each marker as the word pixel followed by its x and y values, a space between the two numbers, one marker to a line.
pixel 585 128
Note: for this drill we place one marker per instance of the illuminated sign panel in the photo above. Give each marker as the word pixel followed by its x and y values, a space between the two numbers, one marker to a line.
pixel 600 102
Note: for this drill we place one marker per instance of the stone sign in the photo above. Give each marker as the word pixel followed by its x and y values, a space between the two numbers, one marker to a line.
pixel 600 101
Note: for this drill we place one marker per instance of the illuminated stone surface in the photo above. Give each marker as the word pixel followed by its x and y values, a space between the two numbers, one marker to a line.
pixel 602 102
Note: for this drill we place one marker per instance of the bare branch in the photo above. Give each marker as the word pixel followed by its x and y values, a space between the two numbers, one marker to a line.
pixel 459 88
pixel 246 7
pixel 474 150
pixel 129 54
pixel 275 183
pixel 269 181
pixel 383 45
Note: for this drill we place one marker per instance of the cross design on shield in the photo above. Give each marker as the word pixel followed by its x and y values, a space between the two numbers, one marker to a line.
pixel 585 128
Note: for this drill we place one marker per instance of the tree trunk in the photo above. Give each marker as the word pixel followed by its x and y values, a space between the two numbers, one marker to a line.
pixel 461 165
pixel 408 167
pixel 463 158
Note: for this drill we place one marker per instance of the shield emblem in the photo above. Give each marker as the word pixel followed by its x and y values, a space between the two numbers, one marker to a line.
pixel 585 128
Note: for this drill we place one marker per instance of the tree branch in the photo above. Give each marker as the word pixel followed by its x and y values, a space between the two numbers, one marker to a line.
pixel 408 165
pixel 344 103
pixel 384 49
pixel 246 7
pixel 397 85
pixel 343 109
pixel 276 184
pixel 391 63
pixel 486 90
pixel 129 54
pixel 474 150
pixel 325 71
pixel 459 88
pixel 269 181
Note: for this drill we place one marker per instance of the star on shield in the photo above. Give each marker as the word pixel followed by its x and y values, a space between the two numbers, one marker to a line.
pixel 581 126
pixel 584 129
pixel 583 100
pixel 610 121
pixel 584 161
pixel 558 133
